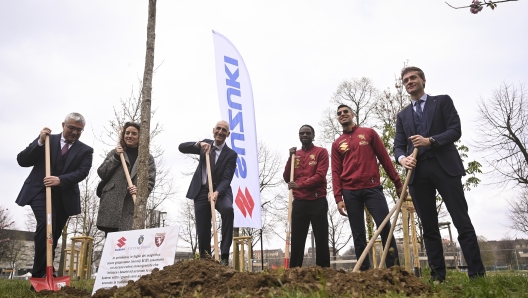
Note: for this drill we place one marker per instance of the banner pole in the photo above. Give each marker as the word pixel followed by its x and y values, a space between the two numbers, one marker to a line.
pixel 288 227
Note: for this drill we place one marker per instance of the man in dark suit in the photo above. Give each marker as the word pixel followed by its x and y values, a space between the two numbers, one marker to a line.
pixel 70 161
pixel 432 124
pixel 223 164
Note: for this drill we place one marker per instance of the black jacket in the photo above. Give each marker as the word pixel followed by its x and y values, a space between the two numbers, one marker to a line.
pixel 76 168
pixel 222 173
pixel 443 124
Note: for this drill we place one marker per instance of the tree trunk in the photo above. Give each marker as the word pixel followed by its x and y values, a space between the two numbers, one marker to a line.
pixel 144 135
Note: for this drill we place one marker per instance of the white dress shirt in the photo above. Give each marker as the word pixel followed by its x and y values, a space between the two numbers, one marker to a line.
pixel 422 105
pixel 62 142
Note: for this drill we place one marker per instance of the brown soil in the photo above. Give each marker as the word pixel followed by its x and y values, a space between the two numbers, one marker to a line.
pixel 207 278
pixel 65 292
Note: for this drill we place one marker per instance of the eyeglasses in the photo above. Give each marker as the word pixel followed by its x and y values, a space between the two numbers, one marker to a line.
pixel 72 128
pixel 342 112
pixel 305 133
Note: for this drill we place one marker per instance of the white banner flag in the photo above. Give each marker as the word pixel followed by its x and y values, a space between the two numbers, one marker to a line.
pixel 236 107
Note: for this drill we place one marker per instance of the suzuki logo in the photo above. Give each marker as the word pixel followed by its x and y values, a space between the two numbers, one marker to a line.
pixel 245 202
pixel 121 242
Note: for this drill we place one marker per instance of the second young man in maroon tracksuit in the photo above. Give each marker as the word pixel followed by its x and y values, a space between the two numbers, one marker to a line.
pixel 309 193
pixel 356 181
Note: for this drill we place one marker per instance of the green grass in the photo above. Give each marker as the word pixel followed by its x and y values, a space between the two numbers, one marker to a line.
pixel 495 284
pixel 20 288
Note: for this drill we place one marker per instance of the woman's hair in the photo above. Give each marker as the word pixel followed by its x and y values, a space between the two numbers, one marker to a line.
pixel 122 137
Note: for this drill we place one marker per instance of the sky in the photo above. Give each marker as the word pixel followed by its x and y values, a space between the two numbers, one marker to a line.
pixel 58 57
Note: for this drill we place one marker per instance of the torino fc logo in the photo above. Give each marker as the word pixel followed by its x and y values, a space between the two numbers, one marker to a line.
pixel 343 147
pixel 245 202
pixel 158 239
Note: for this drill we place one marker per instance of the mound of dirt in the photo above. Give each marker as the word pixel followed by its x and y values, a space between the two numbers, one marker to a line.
pixel 65 292
pixel 207 278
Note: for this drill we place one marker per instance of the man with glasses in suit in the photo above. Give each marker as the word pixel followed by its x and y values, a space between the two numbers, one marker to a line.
pixel 70 161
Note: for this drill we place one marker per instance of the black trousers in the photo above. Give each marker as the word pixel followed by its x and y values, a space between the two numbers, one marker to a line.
pixel 428 178
pixel 304 213
pixel 59 219
pixel 374 200
pixel 202 213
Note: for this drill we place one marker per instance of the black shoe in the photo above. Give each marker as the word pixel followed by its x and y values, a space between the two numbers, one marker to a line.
pixel 477 276
pixel 224 262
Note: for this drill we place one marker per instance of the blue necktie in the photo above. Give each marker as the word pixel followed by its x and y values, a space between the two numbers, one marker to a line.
pixel 419 110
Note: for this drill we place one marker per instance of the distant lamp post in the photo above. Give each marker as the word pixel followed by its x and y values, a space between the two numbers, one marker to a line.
pixel 453 252
pixel 162 217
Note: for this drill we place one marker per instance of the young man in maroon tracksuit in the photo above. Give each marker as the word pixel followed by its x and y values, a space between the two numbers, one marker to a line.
pixel 356 181
pixel 309 193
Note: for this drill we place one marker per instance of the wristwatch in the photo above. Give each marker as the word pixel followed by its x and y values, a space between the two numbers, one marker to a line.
pixel 432 140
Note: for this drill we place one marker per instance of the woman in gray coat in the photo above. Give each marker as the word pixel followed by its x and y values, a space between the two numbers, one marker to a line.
pixel 116 208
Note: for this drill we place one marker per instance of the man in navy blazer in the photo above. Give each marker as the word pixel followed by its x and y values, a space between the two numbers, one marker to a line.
pixel 70 161
pixel 432 124
pixel 223 164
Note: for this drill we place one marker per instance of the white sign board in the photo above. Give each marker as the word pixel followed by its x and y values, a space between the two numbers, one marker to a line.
pixel 129 255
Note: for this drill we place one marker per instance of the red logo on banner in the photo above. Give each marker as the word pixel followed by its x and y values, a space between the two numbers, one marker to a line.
pixel 159 238
pixel 245 202
pixel 121 242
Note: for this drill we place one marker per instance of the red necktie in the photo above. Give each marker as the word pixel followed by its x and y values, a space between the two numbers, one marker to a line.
pixel 65 148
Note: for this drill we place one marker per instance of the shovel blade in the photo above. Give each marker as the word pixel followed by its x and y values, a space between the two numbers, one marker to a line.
pixel 39 283
pixel 49 283
pixel 59 282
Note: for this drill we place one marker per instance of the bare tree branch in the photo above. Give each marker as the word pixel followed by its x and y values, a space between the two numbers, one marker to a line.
pixel 360 95
pixel 271 201
pixel 187 222
pixel 503 133
pixel 518 212
pixel 491 4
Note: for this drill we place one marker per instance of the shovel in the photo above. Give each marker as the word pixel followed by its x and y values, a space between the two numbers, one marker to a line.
pixel 213 211
pixel 396 209
pixel 125 168
pixel 49 282
pixel 288 227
